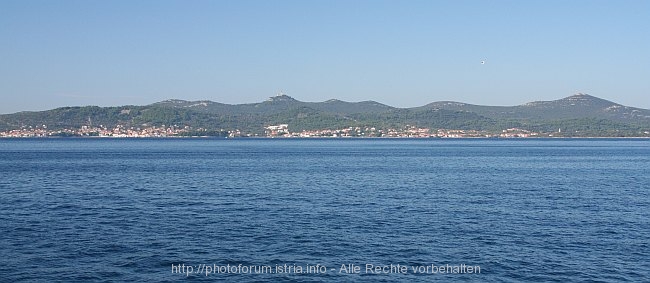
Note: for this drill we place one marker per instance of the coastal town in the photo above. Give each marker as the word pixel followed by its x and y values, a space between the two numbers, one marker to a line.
pixel 272 131
pixel 407 132
pixel 282 116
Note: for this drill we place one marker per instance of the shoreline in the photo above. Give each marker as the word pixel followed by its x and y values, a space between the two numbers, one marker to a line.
pixel 325 138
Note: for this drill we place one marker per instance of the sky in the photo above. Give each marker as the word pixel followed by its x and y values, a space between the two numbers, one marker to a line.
pixel 401 53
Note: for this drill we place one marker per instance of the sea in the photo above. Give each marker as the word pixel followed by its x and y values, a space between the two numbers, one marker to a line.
pixel 324 210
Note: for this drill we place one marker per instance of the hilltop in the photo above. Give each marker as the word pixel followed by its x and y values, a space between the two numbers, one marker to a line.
pixel 573 107
pixel 578 115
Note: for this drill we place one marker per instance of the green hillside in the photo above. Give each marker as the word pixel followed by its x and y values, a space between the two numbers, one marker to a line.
pixel 578 115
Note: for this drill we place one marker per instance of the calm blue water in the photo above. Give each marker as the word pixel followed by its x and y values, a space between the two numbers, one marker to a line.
pixel 127 210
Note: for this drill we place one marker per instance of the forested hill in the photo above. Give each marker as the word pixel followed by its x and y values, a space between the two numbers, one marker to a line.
pixel 573 107
pixel 582 113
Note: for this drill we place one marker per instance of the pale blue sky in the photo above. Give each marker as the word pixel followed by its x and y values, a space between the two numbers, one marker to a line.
pixel 401 53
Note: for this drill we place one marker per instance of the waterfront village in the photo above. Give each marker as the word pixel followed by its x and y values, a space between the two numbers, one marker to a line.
pixel 273 131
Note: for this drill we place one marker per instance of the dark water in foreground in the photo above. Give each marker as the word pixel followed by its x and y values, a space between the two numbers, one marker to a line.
pixel 127 210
